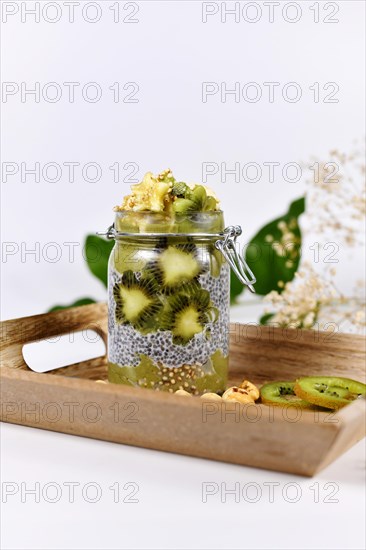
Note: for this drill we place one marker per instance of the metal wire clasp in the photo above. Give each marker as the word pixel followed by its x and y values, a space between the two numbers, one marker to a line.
pixel 227 247
pixel 110 233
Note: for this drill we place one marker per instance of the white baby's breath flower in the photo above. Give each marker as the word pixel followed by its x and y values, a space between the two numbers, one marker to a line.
pixel 336 210
pixel 360 316
pixel 336 197
pixel 301 299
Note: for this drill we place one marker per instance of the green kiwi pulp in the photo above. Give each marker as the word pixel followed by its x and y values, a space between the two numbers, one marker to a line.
pixel 136 301
pixel 186 315
pixel 199 197
pixel 127 257
pixel 209 204
pixel 282 394
pixel 183 218
pixel 216 260
pixel 182 206
pixel 196 379
pixel 175 266
pixel 328 391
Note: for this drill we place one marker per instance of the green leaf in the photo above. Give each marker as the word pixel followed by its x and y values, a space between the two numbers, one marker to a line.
pixel 81 302
pixel 97 251
pixel 266 317
pixel 297 207
pixel 268 267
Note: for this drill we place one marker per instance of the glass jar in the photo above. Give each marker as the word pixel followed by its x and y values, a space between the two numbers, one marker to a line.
pixel 168 300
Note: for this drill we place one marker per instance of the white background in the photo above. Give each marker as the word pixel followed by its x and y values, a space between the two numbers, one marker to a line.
pixel 169 53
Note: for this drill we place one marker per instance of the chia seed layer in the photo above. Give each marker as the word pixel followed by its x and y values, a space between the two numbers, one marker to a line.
pixel 126 345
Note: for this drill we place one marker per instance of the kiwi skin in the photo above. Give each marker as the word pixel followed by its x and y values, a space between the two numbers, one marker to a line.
pixel 181 190
pixel 273 394
pixel 329 392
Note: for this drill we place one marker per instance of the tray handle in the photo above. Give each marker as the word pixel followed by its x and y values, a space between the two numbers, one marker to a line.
pixel 17 332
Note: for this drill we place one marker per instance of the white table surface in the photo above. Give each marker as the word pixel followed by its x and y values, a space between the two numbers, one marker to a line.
pixel 324 512
pixel 170 512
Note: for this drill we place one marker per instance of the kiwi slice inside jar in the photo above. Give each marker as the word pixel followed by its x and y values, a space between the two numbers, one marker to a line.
pixel 136 300
pixel 328 391
pixel 176 265
pixel 282 394
pixel 187 315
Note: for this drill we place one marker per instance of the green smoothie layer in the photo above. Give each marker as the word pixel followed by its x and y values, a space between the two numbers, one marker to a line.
pixel 211 377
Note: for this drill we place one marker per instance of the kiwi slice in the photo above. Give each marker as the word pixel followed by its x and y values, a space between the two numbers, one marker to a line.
pixel 183 206
pixel 199 197
pixel 192 200
pixel 282 394
pixel 186 315
pixel 328 391
pixel 210 204
pixel 136 301
pixel 176 266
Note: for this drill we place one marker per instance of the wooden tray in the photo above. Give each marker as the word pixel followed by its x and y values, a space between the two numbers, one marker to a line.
pixel 70 401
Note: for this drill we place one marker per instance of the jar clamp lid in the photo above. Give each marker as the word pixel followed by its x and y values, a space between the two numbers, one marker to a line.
pixel 228 248
pixel 226 243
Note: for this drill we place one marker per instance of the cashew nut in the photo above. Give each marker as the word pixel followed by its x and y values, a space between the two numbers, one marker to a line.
pixel 211 397
pixel 251 389
pixel 183 393
pixel 237 394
